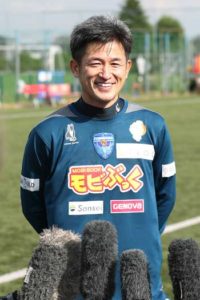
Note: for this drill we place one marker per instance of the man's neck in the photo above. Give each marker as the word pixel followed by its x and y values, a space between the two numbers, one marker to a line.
pixel 96 112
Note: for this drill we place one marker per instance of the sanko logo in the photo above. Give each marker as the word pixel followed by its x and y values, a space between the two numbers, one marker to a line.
pixel 127 206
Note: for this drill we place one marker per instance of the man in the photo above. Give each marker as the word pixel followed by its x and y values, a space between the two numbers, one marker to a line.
pixel 102 157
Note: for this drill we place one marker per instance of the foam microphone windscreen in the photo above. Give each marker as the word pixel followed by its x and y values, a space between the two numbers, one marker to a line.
pixel 135 283
pixel 54 269
pixel 99 255
pixel 184 269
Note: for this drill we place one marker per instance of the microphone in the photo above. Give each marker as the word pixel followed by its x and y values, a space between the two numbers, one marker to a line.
pixel 10 296
pixel 54 269
pixel 135 280
pixel 98 261
pixel 184 269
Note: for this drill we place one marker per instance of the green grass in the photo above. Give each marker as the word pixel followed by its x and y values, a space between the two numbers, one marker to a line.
pixel 18 239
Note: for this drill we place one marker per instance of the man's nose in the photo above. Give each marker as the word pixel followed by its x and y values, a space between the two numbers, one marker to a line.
pixel 105 72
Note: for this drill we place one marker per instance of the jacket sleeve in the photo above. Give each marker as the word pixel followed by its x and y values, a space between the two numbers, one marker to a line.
pixel 164 176
pixel 34 173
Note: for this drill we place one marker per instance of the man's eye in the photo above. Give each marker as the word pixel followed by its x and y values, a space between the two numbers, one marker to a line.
pixel 116 64
pixel 94 64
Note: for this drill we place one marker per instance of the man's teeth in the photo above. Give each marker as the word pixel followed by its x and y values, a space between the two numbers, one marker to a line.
pixel 105 84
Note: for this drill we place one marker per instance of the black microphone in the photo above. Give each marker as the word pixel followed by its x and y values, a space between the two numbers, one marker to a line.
pixel 10 296
pixel 184 269
pixel 135 283
pixel 54 269
pixel 99 255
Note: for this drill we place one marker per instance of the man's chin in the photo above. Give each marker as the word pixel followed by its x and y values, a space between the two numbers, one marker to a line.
pixel 106 102
pixel 101 100
pixel 105 97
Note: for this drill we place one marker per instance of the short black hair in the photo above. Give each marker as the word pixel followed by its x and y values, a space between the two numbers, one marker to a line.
pixel 99 29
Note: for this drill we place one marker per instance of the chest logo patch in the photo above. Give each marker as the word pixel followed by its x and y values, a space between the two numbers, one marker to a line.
pixel 70 133
pixel 104 144
pixel 138 129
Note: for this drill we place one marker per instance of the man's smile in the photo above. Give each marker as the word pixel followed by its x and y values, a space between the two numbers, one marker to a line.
pixel 103 84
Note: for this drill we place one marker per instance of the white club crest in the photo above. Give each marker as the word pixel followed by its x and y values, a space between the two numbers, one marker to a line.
pixel 137 129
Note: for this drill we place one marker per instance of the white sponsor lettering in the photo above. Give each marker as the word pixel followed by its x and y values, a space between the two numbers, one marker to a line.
pixel 127 206
pixel 30 184
pixel 169 170
pixel 85 208
pixel 134 151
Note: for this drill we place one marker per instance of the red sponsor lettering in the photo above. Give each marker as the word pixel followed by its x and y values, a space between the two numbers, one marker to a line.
pixel 127 206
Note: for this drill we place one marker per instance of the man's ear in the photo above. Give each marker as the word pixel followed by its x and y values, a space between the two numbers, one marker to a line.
pixel 129 66
pixel 74 67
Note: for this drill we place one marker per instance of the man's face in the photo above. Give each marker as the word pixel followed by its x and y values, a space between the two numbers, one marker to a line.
pixel 102 72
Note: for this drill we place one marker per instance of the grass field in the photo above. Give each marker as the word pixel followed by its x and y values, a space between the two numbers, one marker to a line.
pixel 17 238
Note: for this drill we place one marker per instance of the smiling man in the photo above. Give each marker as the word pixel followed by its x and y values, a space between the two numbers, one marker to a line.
pixel 101 157
pixel 102 72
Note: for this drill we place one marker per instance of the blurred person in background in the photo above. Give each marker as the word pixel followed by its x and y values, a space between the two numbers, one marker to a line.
pixel 101 157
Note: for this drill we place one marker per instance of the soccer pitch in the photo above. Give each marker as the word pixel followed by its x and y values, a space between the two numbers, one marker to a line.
pixel 18 239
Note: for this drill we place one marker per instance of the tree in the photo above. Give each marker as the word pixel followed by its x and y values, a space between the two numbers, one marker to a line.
pixel 63 42
pixel 170 33
pixel 29 63
pixel 169 24
pixel 196 44
pixel 133 14
pixel 3 60
pixel 3 40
